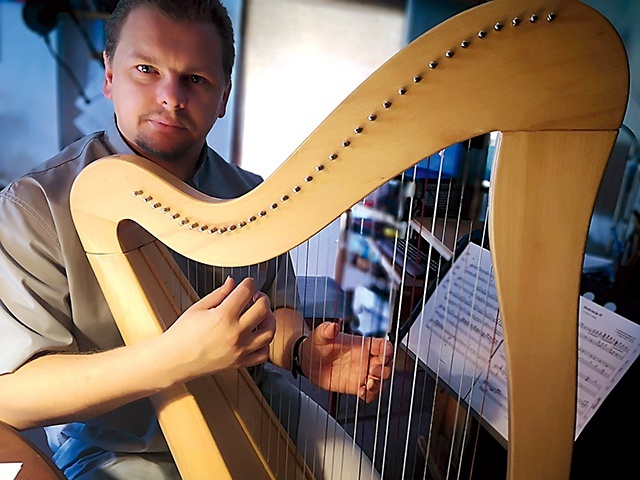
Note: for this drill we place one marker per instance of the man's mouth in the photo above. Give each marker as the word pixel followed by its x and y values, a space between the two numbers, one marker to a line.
pixel 168 123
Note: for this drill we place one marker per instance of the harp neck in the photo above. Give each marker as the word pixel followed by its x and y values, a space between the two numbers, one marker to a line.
pixel 565 71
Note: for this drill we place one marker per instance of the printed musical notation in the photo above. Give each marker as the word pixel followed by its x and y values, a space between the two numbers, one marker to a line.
pixel 459 337
pixel 607 346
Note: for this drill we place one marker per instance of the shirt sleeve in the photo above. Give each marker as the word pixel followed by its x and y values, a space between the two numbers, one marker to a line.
pixel 35 314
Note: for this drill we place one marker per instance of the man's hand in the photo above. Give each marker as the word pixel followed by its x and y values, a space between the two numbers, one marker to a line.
pixel 229 328
pixel 346 363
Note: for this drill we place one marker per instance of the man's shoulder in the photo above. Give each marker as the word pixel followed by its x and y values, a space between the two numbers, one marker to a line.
pixel 63 167
pixel 75 156
pixel 51 181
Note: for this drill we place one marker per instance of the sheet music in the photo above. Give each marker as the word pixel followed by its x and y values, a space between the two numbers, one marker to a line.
pixel 459 337
pixel 9 471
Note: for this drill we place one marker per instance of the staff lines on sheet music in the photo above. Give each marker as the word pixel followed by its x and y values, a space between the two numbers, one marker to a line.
pixel 496 390
pixel 587 382
pixel 595 362
pixel 479 330
pixel 603 341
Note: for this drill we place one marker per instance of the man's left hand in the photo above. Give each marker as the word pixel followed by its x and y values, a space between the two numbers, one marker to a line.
pixel 345 363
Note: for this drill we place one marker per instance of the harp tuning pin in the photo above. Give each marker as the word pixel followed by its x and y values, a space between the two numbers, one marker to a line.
pixel 465 43
pixel 212 230
pixel 242 224
pixel 482 33
pixel 417 79
pixel 433 65
pixel 174 216
pixel 232 227
pixel 296 189
pixel 386 104
pixel 358 130
pixel 193 226
pixel 551 17
pixel 184 221
pixel 533 18
pixel 515 22
pixel 203 228
pixel 308 178
pixel 402 91
pixel 346 143
pixel 449 54
pixel 156 205
pixel 222 230
pixel 137 193
pixel 333 156
pixel 372 117
pixel 262 213
pixel 252 218
pixel 319 168
pixel 273 206
pixel 166 210
pixel 497 27
pixel 284 198
pixel 147 199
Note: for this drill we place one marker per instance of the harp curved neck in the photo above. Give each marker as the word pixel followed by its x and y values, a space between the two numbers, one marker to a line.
pixel 566 74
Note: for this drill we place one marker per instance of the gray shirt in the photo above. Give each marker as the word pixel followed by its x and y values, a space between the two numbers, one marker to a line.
pixel 50 300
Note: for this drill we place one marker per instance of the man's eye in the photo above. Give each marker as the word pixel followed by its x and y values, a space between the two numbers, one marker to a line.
pixel 144 68
pixel 197 79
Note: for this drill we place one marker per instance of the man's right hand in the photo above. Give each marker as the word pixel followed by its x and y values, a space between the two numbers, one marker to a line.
pixel 229 328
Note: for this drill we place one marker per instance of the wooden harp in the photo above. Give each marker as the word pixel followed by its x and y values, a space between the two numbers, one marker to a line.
pixel 550 75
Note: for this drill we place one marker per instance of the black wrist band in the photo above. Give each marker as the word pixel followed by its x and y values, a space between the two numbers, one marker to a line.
pixel 296 368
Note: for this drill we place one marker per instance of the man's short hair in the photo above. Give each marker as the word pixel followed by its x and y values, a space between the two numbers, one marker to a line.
pixel 207 11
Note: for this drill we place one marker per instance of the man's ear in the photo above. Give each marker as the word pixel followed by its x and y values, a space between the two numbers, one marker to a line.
pixel 222 109
pixel 108 76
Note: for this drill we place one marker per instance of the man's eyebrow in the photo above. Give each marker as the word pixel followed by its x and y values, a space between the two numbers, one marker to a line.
pixel 142 57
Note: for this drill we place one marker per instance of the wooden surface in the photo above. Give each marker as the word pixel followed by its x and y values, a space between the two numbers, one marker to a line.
pixel 14 448
pixel 538 232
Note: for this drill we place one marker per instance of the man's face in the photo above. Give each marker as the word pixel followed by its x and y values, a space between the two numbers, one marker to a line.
pixel 167 85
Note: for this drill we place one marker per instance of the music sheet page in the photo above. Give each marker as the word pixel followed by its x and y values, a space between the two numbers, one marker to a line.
pixel 9 471
pixel 459 337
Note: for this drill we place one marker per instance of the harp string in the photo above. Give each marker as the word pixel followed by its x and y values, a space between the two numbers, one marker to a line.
pixel 477 366
pixel 410 215
pixel 424 295
pixel 467 354
pixel 414 383
pixel 458 223
pixel 475 361
pixel 460 384
pixel 447 198
pixel 415 388
pixel 205 278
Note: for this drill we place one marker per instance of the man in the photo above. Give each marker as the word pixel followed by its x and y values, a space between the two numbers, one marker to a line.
pixel 167 70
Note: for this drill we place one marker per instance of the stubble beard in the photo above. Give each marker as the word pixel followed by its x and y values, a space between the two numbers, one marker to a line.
pixel 173 155
pixel 176 153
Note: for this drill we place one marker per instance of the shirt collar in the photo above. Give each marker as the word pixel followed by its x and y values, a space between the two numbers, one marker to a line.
pixel 114 139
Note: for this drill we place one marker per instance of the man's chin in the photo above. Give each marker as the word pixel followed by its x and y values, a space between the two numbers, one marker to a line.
pixel 160 152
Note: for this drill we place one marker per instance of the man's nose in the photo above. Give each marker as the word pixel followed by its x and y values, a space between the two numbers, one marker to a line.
pixel 172 93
